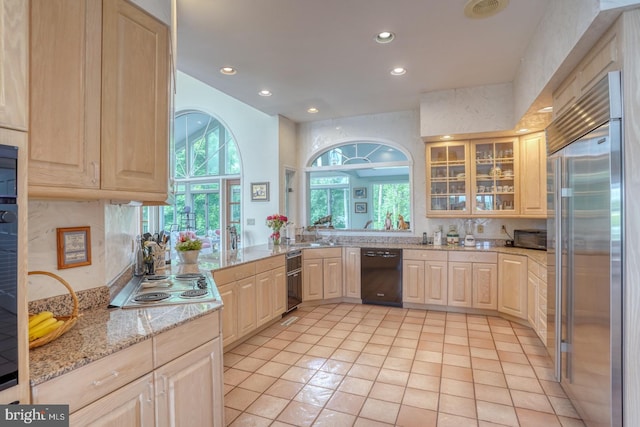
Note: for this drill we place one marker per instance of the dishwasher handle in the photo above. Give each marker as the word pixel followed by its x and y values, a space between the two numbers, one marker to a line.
pixel 380 255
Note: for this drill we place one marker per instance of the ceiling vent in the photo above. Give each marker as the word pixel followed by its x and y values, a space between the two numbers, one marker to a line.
pixel 479 9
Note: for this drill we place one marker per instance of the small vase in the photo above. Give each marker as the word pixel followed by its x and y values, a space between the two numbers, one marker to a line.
pixel 188 257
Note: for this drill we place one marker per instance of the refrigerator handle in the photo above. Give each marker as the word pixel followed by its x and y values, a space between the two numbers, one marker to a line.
pixel 557 203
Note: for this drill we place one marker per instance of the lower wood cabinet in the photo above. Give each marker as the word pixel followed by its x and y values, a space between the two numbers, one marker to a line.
pixel 473 280
pixel 321 274
pixel 173 379
pixel 246 308
pixel 512 278
pixel 351 265
pixel 424 277
pixel 459 289
pixel 271 295
pixel 485 286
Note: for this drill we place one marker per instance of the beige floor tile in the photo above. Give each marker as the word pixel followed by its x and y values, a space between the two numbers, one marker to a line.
pixel 326 380
pixel 298 328
pixel 486 364
pixel 299 414
pixel 264 353
pixel 563 407
pixel 250 364
pixel 316 330
pixel 325 323
pixel 365 329
pixel 387 392
pixel 284 389
pixel 506 330
pixel 436 346
pixel 231 359
pixel 508 346
pixel 352 345
pixel 380 411
pixel 277 344
pixel 366 422
pixel 298 347
pixel 456 339
pixel 405 342
pixel 489 393
pixel 529 418
pixel 421 398
pixel 257 382
pixel 258 340
pixel 249 420
pixel 345 355
pixel 480 332
pixel 308 339
pixel 240 399
pixel 298 374
pixel 329 418
pixel 273 369
pixel 523 383
pixel 311 362
pixel 455 360
pixel 387 332
pixel 244 349
pixel 457 388
pixel 518 369
pixel 346 402
pixel 328 341
pixel 227 388
pixel 508 356
pixel 450 420
pixel 398 364
pixel 320 351
pixel 235 376
pixel 489 378
pixel 553 388
pixel 429 356
pixel 456 405
pixel 484 353
pixel 378 349
pixel 542 373
pixel 460 350
pixel 457 373
pixel 426 368
pixel 570 422
pixel 504 338
pixel 230 415
pixel 381 339
pixel 371 359
pixel 534 350
pixel 288 335
pixel 424 382
pixel 363 371
pixel 391 376
pixel 314 395
pixel 410 331
pixel 340 334
pixel 481 343
pixel 336 367
pixel 268 406
pixel 286 357
pixel 495 413
pixel 357 386
pixel 410 416
pixel 402 352
pixel 533 401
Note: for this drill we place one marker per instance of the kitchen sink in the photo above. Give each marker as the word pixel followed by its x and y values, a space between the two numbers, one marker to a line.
pixel 311 244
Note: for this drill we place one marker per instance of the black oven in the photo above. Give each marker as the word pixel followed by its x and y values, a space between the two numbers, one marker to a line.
pixel 294 279
pixel 8 267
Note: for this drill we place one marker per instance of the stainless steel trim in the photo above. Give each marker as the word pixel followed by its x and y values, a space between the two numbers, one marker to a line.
pixel 602 103
pixel 558 268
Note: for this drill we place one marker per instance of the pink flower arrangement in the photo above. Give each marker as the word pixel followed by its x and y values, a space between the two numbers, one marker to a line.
pixel 188 241
pixel 275 222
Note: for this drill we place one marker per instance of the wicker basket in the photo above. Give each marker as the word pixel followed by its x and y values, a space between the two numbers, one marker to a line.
pixel 69 321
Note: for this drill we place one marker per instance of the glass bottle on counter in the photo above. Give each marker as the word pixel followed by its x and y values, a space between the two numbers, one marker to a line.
pixel 138 265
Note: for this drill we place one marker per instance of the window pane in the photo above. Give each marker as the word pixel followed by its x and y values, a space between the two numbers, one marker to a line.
pixel 393 198
pixel 234 197
pixel 232 165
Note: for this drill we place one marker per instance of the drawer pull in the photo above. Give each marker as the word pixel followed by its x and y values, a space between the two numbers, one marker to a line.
pixel 113 375
pixel 150 389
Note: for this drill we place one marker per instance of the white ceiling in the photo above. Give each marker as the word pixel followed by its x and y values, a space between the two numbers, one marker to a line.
pixel 323 54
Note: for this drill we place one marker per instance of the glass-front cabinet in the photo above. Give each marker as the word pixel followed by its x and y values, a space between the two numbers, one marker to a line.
pixel 494 178
pixel 448 178
pixel 472 178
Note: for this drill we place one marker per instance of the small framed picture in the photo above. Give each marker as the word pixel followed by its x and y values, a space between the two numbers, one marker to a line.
pixel 361 207
pixel 360 193
pixel 73 247
pixel 260 191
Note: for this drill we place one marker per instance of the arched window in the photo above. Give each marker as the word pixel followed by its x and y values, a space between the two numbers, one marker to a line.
pixel 359 184
pixel 206 165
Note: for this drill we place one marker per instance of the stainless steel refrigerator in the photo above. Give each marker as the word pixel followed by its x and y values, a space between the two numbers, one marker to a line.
pixel 585 232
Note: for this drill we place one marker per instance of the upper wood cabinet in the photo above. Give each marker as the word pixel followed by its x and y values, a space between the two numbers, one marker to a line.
pixel 533 176
pixel 99 101
pixel 448 179
pixel 13 63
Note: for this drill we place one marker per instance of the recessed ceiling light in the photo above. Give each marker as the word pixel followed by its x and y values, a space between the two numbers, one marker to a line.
pixel 312 110
pixel 385 37
pixel 398 71
pixel 228 71
pixel 446 137
pixel 265 92
pixel 523 130
pixel 548 109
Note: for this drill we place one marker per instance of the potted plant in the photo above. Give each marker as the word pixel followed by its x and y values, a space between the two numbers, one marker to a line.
pixel 188 247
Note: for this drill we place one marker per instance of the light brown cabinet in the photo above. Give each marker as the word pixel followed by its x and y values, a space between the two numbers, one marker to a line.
pixel 459 287
pixel 321 274
pixel 485 286
pixel 246 313
pixel 352 279
pixel 533 176
pixel 271 294
pixel 424 277
pixel 229 296
pixel 495 177
pixel 413 281
pixel 512 284
pixel 448 179
pixel 537 298
pixel 14 39
pixel 99 101
pixel 473 280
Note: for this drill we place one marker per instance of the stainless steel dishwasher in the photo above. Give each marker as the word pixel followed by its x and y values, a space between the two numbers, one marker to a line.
pixel 381 276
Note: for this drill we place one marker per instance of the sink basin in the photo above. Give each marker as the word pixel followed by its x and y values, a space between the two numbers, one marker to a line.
pixel 311 244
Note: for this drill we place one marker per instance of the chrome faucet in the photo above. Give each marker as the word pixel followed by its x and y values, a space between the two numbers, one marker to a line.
pixel 233 238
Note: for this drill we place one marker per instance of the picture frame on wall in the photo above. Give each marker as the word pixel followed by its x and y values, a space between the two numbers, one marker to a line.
pixel 361 207
pixel 259 191
pixel 73 247
pixel 360 193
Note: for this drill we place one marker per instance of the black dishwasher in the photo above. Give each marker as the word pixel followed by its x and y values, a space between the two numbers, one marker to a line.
pixel 381 276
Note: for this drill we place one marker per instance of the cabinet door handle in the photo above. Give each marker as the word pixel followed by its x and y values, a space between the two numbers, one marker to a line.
pixel 150 390
pixel 163 379
pixel 113 375
pixel 96 172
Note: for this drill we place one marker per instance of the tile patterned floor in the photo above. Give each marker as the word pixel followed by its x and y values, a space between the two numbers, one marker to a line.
pixel 363 365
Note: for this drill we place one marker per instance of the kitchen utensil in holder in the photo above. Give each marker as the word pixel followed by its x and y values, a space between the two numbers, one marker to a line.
pixel 69 321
